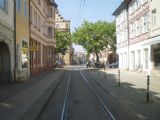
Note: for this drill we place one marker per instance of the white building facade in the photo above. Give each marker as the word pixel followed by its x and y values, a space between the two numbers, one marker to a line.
pixel 7 41
pixel 138 35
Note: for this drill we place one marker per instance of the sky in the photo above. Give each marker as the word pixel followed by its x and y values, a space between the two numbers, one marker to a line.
pixel 91 10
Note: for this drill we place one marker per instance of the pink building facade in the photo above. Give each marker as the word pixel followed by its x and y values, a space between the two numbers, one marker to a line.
pixel 136 42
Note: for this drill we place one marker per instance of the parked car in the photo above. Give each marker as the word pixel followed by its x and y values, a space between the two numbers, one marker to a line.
pixel 113 65
pixel 59 64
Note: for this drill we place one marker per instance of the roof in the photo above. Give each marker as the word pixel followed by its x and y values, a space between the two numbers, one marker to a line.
pixel 53 3
pixel 119 9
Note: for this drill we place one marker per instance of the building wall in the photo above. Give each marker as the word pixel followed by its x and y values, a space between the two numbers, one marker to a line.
pixel 64 26
pixel 155 29
pixel 122 38
pixel 22 35
pixel 144 36
pixel 42 41
pixel 7 36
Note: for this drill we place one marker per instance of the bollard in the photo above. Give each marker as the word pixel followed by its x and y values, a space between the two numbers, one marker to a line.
pixel 98 71
pixel 147 95
pixel 105 74
pixel 119 77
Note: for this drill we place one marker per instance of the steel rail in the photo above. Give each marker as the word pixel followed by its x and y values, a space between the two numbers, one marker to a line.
pixel 50 96
pixel 122 105
pixel 66 99
pixel 99 99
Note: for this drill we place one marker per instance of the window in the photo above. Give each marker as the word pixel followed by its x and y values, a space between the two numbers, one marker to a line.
pixel 43 28
pixel 146 58
pixel 31 14
pixel 138 3
pixel 4 4
pixel 25 60
pixel 35 18
pixel 39 2
pixel 50 13
pixel 44 5
pixel 18 4
pixel 67 25
pixel 138 27
pixel 25 8
pixel 145 23
pixel 49 55
pixel 134 29
pixel 154 21
pixel 39 23
pixel 131 31
pixel 50 32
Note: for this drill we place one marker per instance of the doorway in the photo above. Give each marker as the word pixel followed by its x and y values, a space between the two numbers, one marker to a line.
pixel 5 75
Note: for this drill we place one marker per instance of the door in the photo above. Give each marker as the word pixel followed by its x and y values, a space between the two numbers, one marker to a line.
pixel 5 75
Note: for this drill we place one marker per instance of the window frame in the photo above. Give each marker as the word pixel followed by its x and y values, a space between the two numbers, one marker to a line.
pixel 154 20
pixel 5 5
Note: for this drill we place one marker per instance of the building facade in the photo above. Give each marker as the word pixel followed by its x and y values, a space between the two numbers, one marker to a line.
pixel 7 41
pixel 42 40
pixel 79 58
pixel 22 40
pixel 154 42
pixel 64 26
pixel 136 37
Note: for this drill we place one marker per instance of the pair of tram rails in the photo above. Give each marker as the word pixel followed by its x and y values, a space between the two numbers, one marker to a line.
pixel 109 115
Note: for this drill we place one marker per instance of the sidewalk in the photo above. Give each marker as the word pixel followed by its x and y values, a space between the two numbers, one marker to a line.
pixel 14 104
pixel 132 92
pixel 138 79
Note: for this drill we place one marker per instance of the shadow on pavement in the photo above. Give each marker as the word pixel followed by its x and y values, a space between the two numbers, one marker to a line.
pixel 131 97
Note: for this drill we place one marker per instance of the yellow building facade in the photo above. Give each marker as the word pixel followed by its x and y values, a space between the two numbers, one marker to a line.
pixel 22 40
pixel 64 26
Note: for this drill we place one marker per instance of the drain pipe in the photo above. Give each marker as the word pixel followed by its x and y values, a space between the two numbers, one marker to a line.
pixel 15 63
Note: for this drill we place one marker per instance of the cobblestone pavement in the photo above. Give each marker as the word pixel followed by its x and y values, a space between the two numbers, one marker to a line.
pixel 132 91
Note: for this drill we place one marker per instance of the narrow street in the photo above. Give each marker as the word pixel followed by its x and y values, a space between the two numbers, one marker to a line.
pixel 75 93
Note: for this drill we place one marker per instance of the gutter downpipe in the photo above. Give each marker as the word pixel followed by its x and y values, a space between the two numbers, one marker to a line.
pixel 127 4
pixel 15 66
pixel 29 25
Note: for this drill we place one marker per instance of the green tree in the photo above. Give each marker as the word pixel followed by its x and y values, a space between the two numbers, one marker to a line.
pixel 95 37
pixel 63 40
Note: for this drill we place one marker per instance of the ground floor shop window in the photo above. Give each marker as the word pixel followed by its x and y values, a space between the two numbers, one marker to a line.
pixel 25 52
pixel 146 58
pixel 49 55
pixel 157 57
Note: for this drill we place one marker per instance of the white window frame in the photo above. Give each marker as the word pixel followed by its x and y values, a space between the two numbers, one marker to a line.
pixel 154 18
pixel 145 23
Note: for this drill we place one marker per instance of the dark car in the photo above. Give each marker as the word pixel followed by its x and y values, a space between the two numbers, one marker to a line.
pixel 114 65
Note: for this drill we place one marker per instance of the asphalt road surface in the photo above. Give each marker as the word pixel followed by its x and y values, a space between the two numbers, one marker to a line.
pixel 77 96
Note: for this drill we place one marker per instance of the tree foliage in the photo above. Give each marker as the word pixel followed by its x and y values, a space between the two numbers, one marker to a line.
pixel 63 40
pixel 95 37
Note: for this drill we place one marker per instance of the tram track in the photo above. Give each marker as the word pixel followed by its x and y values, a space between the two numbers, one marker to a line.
pixel 75 97
pixel 64 109
pixel 51 97
pixel 110 103
pixel 108 112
